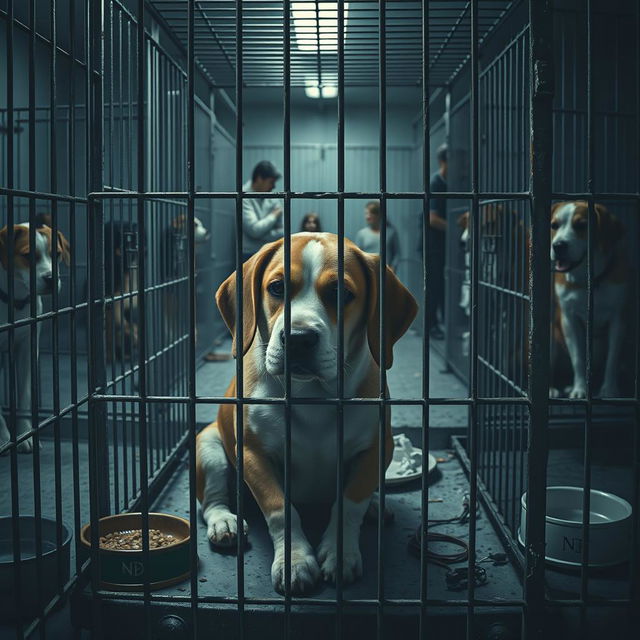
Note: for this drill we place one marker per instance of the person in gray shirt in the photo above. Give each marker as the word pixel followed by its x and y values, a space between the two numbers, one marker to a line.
pixel 368 238
pixel 261 217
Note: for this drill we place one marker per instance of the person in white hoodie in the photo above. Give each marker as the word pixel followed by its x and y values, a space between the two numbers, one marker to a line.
pixel 261 217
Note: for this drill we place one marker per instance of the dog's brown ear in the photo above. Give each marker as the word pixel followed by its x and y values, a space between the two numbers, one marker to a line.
pixel 20 244
pixel 555 206
pixel 252 272
pixel 64 248
pixel 610 229
pixel 400 308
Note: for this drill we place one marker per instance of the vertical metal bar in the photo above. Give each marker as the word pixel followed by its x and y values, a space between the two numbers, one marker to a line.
pixel 426 350
pixel 95 241
pixel 239 321
pixel 191 188
pixel 286 32
pixel 13 452
pixel 382 407
pixel 475 226
pixel 130 175
pixel 75 462
pixel 115 259
pixel 591 235
pixel 541 128
pixel 33 311
pixel 634 565
pixel 111 259
pixel 340 345
pixel 53 177
pixel 142 169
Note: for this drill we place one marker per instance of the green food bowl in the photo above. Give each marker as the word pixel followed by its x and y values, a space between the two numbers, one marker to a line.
pixel 125 569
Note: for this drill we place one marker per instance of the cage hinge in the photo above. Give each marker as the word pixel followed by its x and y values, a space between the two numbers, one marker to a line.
pixel 543 78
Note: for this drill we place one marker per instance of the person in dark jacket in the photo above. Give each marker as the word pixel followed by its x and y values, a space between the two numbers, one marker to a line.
pixel 435 253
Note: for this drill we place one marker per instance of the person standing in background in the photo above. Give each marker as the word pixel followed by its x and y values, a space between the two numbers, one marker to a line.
pixel 311 223
pixel 261 223
pixel 261 217
pixel 368 238
pixel 435 253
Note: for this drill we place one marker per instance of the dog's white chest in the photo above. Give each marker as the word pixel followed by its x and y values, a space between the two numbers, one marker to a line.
pixel 608 302
pixel 314 444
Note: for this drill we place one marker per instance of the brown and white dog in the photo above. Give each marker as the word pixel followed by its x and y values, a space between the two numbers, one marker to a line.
pixel 610 287
pixel 313 362
pixel 23 256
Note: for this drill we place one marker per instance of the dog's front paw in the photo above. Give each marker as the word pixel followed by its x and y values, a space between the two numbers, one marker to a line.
pixel 222 528
pixel 554 393
pixel 351 563
pixel 304 570
pixel 578 391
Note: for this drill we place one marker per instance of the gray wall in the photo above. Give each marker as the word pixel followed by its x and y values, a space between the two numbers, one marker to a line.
pixel 314 158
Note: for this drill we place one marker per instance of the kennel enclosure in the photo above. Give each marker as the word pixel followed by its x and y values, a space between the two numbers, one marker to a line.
pixel 125 120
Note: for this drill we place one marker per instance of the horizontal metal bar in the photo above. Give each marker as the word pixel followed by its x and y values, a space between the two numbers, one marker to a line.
pixel 43 425
pixel 41 195
pixel 499 400
pixel 320 602
pixel 47 315
pixel 317 195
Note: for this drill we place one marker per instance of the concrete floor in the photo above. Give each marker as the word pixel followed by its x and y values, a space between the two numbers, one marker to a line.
pixel 400 569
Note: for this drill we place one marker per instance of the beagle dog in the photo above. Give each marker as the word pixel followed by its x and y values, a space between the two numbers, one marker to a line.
pixel 610 288
pixel 24 255
pixel 313 363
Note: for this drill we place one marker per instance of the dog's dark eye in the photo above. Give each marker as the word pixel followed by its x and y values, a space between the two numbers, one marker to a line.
pixel 555 225
pixel 348 295
pixel 276 288
pixel 580 224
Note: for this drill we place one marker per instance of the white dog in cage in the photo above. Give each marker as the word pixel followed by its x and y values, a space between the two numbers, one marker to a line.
pixel 313 364
pixel 23 256
pixel 610 288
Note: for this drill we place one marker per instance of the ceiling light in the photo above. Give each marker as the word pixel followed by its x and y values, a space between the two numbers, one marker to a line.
pixel 313 90
pixel 316 25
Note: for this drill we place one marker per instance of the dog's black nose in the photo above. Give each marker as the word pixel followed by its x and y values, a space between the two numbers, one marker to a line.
pixel 560 247
pixel 301 340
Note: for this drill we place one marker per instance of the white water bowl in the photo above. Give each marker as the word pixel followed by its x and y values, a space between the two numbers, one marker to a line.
pixel 610 527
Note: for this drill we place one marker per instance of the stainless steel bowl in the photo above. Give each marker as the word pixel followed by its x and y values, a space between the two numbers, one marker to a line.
pixel 609 527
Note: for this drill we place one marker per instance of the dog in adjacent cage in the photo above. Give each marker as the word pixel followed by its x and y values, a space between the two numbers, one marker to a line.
pixel 313 362
pixel 611 286
pixel 174 251
pixel 25 256
pixel 121 283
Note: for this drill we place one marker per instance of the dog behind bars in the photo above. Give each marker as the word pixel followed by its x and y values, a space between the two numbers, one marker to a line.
pixel 313 361
pixel 26 256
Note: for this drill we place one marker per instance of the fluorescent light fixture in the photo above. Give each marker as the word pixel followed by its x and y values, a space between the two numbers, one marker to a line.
pixel 313 90
pixel 317 26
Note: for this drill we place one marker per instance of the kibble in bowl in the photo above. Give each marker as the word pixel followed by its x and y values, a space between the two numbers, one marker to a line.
pixel 121 561
pixel 132 540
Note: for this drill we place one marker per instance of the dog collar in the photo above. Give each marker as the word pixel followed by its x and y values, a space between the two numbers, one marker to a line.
pixel 19 305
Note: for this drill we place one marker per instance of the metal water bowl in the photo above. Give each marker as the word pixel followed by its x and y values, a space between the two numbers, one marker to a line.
pixel 610 527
